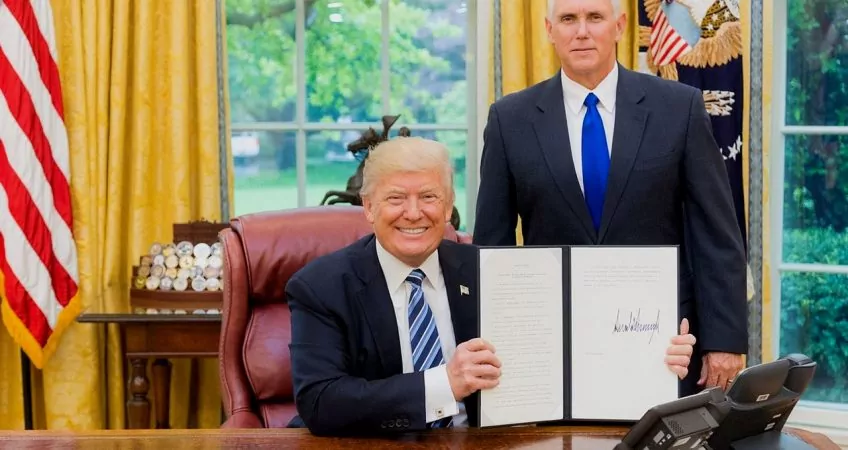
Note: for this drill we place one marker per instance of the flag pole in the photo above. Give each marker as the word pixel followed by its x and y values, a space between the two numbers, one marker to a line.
pixel 27 390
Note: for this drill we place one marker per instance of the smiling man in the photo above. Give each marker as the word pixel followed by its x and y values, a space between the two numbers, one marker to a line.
pixel 601 155
pixel 384 331
pixel 375 326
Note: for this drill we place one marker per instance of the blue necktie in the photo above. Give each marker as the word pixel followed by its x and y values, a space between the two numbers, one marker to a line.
pixel 423 334
pixel 596 160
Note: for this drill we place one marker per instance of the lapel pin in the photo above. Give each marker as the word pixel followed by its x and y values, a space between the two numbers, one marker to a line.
pixel 463 290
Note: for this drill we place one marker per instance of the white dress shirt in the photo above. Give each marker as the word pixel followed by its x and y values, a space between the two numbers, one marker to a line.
pixel 438 396
pixel 574 94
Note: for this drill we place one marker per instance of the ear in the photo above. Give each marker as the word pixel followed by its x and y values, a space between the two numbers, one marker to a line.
pixel 620 26
pixel 548 28
pixel 366 206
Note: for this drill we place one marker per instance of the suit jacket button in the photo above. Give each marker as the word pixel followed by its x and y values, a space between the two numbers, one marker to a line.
pixel 391 424
pixel 405 422
pixel 399 423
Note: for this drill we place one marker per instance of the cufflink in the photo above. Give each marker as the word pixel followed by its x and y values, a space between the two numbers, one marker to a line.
pixel 440 412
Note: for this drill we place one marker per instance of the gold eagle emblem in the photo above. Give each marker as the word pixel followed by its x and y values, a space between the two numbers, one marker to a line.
pixel 720 37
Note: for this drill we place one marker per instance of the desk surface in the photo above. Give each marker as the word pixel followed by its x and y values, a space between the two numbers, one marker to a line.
pixel 527 438
pixel 536 438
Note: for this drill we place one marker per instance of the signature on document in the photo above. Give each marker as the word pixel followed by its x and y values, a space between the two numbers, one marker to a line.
pixel 632 322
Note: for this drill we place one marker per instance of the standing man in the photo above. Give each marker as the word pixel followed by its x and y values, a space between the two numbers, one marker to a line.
pixel 600 155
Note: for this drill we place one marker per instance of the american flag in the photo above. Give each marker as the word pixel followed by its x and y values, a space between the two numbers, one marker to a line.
pixel 38 257
pixel 666 43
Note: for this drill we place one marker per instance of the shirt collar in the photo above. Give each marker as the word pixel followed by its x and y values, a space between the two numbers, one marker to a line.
pixel 396 270
pixel 575 93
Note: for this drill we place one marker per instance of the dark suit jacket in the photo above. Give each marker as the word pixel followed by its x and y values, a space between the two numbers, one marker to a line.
pixel 667 186
pixel 345 352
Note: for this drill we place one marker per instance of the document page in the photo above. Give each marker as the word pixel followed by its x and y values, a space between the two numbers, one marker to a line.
pixel 623 316
pixel 521 315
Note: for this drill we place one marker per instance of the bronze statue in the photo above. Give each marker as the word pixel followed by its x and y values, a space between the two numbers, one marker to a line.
pixel 360 149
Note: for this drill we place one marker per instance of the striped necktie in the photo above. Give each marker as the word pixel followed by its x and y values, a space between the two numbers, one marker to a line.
pixel 423 334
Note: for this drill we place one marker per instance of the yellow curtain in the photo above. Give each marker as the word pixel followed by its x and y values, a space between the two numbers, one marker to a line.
pixel 11 400
pixel 527 56
pixel 140 88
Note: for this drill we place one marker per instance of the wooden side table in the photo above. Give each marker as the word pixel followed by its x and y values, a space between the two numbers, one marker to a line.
pixel 158 336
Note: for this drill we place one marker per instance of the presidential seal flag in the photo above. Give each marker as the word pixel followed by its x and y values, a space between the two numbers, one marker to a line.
pixel 38 258
pixel 699 42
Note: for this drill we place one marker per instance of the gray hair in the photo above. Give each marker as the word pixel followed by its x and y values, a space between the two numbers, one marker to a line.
pixel 406 154
pixel 616 8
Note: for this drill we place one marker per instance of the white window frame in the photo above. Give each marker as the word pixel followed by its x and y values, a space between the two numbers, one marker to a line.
pixel 301 125
pixel 828 418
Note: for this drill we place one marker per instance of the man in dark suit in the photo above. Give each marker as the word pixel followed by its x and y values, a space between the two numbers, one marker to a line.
pixel 600 155
pixel 384 331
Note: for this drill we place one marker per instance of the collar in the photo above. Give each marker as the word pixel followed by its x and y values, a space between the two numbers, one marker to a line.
pixel 396 270
pixel 575 93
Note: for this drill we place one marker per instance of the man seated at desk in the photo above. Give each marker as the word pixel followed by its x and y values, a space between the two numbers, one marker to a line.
pixel 383 338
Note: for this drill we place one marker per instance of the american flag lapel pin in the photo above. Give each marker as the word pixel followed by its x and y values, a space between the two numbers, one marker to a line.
pixel 463 290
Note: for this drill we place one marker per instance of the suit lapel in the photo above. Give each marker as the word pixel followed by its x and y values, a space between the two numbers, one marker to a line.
pixel 630 119
pixel 552 132
pixel 376 302
pixel 460 286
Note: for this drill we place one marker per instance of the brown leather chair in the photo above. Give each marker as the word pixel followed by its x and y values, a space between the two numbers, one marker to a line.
pixel 261 252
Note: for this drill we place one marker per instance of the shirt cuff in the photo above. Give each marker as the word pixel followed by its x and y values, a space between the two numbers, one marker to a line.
pixel 438 396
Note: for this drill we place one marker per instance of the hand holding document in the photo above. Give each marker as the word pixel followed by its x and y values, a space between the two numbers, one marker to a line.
pixel 581 333
pixel 472 368
pixel 679 354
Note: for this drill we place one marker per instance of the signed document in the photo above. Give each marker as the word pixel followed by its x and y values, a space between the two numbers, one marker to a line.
pixel 624 312
pixel 521 314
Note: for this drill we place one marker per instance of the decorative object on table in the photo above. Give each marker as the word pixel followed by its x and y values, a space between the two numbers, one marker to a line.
pixel 360 149
pixel 183 276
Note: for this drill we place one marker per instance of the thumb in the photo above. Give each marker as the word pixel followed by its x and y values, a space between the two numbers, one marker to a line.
pixel 684 326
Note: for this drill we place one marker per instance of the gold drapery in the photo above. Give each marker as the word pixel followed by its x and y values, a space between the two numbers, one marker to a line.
pixel 527 57
pixel 140 90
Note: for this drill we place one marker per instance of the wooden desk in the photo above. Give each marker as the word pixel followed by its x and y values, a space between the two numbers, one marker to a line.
pixel 536 438
pixel 526 437
pixel 158 336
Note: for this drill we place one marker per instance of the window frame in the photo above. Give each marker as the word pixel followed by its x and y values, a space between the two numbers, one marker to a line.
pixel 828 418
pixel 301 125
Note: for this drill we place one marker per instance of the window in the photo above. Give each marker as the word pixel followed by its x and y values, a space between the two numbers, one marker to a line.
pixel 810 200
pixel 308 77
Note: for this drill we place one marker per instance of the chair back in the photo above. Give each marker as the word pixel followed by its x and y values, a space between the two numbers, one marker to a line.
pixel 261 253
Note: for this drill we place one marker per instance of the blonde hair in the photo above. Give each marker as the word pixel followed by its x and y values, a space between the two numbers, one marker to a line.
pixel 616 8
pixel 406 154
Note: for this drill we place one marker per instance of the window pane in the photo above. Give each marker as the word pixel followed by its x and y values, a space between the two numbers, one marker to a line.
pixel 815 211
pixel 328 166
pixel 427 52
pixel 817 62
pixel 260 60
pixel 343 61
pixel 814 321
pixel 265 177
